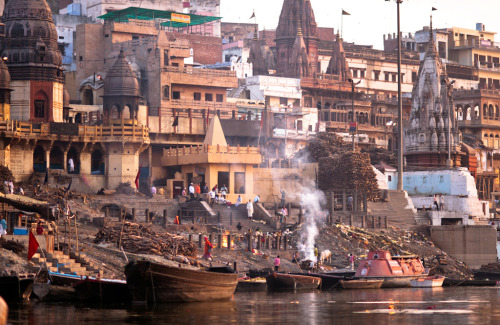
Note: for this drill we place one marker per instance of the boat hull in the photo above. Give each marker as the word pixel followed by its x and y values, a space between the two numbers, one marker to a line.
pixel 279 281
pixel 361 284
pixel 249 285
pixel 429 282
pixel 156 283
pixel 469 283
pixel 14 289
pixel 102 291
pixel 54 293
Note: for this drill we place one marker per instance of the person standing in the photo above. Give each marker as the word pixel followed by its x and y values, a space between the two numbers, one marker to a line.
pixel 191 192
pixel 184 192
pixel 153 190
pixel 436 202
pixel 197 190
pixel 71 165
pixel 223 191
pixel 208 249
pixel 351 260
pixel 283 194
pixel 441 202
pixel 284 214
pixel 250 210
pixel 3 226
pixel 212 197
pixel 277 263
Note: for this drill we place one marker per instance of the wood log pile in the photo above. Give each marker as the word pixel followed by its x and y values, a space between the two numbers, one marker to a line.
pixel 351 170
pixel 136 238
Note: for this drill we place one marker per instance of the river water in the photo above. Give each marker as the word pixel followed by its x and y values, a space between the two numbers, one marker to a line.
pixel 426 306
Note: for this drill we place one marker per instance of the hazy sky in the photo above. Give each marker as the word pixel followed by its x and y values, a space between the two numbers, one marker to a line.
pixel 371 19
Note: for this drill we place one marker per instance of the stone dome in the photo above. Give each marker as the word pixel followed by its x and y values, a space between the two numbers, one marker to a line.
pixel 121 79
pixel 31 38
pixel 4 76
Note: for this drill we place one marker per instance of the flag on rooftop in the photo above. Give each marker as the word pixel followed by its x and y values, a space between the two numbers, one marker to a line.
pixel 253 15
pixel 433 9
pixel 345 13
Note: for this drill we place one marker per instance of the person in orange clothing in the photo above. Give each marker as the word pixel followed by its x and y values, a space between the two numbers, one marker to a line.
pixel 208 249
pixel 197 190
pixel 177 221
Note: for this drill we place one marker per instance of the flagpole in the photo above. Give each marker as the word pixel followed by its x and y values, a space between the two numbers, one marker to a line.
pixel 342 23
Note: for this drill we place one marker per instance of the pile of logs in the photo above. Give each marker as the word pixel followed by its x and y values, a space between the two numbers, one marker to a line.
pixel 136 238
pixel 352 170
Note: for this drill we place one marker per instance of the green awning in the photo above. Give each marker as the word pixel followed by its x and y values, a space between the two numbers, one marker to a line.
pixel 150 14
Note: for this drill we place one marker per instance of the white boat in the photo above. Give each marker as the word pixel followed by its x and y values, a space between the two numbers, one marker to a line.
pixel 428 282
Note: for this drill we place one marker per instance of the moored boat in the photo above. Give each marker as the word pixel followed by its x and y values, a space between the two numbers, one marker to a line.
pixel 281 281
pixel 16 288
pixel 256 284
pixel 156 283
pixel 362 284
pixel 428 282
pixel 396 271
pixel 328 280
pixel 106 291
pixel 469 283
pixel 53 293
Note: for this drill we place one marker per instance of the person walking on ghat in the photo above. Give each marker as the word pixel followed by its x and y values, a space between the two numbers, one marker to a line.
pixel 351 260
pixel 250 210
pixel 208 249
pixel 277 263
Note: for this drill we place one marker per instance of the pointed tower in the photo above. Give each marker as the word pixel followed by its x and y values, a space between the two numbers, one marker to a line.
pixel 256 58
pixel 121 93
pixel 432 125
pixel 298 66
pixel 34 61
pixel 338 64
pixel 215 135
pixel 294 14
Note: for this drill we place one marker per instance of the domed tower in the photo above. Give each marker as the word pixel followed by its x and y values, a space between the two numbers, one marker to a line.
pixel 121 93
pixel 4 92
pixel 34 61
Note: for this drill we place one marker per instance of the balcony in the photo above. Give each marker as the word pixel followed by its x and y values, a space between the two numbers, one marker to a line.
pixel 201 77
pixel 108 133
pixel 480 123
pixel 198 104
pixel 206 154
pixel 476 43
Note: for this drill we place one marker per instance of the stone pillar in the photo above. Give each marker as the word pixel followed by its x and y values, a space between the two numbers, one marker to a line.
pixel 47 158
pixel 65 161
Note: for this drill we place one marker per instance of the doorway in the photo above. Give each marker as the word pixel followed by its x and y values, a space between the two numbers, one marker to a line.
pixel 223 179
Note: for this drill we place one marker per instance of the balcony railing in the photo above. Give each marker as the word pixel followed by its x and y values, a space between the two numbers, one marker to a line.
pixel 200 72
pixel 26 129
pixel 208 149
pixel 198 104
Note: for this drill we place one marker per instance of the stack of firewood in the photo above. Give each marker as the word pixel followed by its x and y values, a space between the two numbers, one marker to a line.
pixel 136 238
pixel 12 245
pixel 352 170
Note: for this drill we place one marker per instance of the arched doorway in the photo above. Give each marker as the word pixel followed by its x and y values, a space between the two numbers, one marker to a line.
pixel 88 97
pixel 73 161
pixel 56 158
pixel 39 162
pixel 40 107
pixel 97 164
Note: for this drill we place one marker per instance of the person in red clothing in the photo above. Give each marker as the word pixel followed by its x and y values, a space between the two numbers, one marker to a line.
pixel 277 263
pixel 176 221
pixel 39 228
pixel 208 249
pixel 197 190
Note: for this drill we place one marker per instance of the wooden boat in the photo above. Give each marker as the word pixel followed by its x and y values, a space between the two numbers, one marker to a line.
pixel 469 283
pixel 104 291
pixel 256 284
pixel 54 293
pixel 62 279
pixel 428 282
pixel 281 281
pixel 4 311
pixel 156 283
pixel 361 284
pixel 486 275
pixel 328 280
pixel 15 288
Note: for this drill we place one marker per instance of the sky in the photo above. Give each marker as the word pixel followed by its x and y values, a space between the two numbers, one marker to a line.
pixel 371 19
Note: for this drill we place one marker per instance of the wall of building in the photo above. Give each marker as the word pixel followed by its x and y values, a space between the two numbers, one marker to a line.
pixel 122 164
pixel 474 245
pixel 20 100
pixel 295 181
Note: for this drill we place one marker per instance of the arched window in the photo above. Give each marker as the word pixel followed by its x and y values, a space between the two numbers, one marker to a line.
pixel 476 112
pixel 97 164
pixel 485 111
pixel 468 111
pixel 497 113
pixel 460 113
pixel 39 162
pixel 56 158
pixel 41 106
pixel 491 113
pixel 74 163
pixel 114 113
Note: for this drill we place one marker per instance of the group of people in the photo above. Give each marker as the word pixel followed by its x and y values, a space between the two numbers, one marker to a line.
pixel 438 202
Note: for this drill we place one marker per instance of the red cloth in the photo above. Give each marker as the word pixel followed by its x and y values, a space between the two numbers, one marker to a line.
pixel 137 177
pixel 176 221
pixel 208 245
pixel 32 246
pixel 197 189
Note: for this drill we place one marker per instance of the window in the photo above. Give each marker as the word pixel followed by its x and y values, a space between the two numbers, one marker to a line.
pixel 424 179
pixel 166 92
pixel 441 179
pixel 106 35
pixel 39 108
pixel 176 95
pixel 389 178
pixel 299 125
pixel 413 76
pixel 362 73
pixel 376 75
pixel 239 183
pixel 219 98
pixel 387 76
pixel 61 37
pixel 197 96
pixel 209 97
pixel 310 128
pixel 135 37
pixel 283 101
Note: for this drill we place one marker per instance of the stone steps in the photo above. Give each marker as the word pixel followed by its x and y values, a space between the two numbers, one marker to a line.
pixel 57 261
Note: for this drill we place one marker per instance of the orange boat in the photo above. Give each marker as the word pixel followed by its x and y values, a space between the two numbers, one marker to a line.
pixel 396 271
